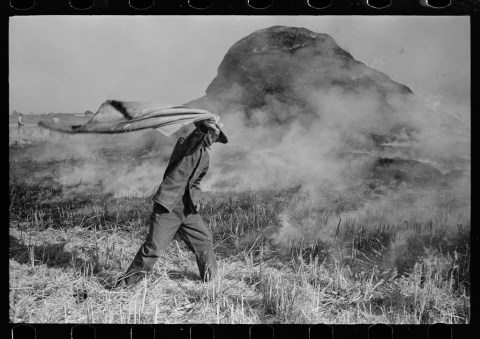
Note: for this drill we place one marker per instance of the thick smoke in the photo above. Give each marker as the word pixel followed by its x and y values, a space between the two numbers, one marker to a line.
pixel 315 133
pixel 310 148
pixel 324 144
pixel 114 165
pixel 281 155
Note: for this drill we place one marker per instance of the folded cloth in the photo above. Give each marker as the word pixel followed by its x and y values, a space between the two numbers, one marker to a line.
pixel 115 116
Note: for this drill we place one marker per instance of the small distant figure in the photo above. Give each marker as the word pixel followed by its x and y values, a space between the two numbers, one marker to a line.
pixel 21 124
pixel 55 121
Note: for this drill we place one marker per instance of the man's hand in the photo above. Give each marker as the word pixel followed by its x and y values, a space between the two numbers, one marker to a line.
pixel 215 119
pixel 211 123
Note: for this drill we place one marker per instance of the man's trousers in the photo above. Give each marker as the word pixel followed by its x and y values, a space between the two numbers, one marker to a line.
pixel 163 226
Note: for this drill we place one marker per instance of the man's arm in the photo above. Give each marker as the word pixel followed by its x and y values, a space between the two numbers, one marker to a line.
pixel 196 191
pixel 196 183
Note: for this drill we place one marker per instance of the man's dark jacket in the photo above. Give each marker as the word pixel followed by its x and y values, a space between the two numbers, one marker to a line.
pixel 186 168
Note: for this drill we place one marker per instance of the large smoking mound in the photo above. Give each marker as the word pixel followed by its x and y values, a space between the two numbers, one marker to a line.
pixel 299 111
pixel 298 107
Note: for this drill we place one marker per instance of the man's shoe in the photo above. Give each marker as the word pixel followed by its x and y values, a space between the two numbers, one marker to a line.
pixel 120 284
pixel 128 281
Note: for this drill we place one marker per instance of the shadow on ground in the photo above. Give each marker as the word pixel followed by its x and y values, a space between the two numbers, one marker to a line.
pixel 52 255
pixel 183 275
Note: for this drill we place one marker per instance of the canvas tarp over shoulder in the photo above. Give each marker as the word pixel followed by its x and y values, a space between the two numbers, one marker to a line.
pixel 115 116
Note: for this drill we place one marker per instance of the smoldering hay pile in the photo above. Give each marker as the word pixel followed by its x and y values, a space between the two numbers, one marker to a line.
pixel 300 111
pixel 298 108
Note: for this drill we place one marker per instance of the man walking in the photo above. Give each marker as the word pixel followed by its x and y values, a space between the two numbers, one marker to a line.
pixel 175 208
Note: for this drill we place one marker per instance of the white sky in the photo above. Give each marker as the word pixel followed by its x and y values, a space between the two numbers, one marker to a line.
pixel 74 63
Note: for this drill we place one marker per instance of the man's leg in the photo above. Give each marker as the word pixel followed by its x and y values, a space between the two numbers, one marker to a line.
pixel 163 226
pixel 198 238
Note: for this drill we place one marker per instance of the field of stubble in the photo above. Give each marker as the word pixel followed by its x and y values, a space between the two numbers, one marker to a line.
pixel 282 259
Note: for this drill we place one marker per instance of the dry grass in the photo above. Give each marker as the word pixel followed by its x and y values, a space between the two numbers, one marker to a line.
pixel 358 257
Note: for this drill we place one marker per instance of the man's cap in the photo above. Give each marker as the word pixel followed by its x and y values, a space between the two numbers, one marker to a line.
pixel 222 138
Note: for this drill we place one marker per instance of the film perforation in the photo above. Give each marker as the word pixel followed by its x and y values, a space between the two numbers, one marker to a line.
pixel 143 331
pixel 141 4
pixel 319 4
pixel 322 331
pixel 82 4
pixel 467 6
pixel 202 331
pixel 24 331
pixel 83 331
pixel 437 4
pixel 22 4
pixel 260 4
pixel 200 4
pixel 261 331
pixel 378 4
pixel 380 331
